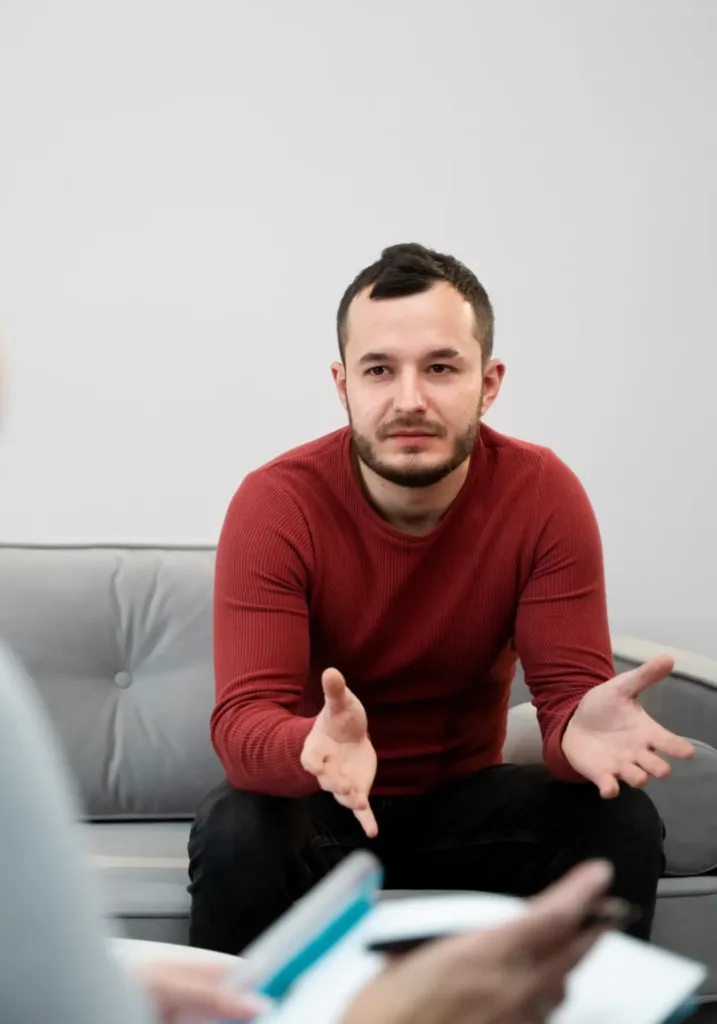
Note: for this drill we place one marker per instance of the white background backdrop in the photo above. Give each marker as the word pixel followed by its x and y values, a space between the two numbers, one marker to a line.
pixel 187 187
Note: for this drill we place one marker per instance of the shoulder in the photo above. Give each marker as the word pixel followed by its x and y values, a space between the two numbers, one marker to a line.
pixel 277 497
pixel 533 466
pixel 304 466
pixel 295 474
pixel 321 451
pixel 540 490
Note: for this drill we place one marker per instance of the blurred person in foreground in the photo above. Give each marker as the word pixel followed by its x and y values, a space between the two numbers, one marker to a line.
pixel 374 590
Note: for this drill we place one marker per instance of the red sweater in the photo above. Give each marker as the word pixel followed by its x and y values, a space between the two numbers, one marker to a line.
pixel 425 629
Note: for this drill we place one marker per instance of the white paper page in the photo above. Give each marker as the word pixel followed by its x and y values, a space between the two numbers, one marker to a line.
pixel 621 981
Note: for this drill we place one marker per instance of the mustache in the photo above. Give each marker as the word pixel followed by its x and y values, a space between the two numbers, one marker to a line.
pixel 435 429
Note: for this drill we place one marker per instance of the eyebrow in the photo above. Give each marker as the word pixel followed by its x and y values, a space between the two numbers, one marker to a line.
pixel 436 353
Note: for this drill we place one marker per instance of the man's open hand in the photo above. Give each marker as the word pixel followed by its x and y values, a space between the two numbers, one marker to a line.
pixel 611 737
pixel 338 751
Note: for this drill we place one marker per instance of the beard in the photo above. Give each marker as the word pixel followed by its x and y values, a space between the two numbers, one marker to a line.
pixel 415 476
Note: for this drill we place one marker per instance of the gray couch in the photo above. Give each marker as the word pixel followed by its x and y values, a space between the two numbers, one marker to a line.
pixel 118 641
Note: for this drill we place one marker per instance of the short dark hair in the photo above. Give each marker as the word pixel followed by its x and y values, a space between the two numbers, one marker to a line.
pixel 409 268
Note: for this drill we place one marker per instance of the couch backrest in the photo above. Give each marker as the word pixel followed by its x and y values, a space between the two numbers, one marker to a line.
pixel 118 642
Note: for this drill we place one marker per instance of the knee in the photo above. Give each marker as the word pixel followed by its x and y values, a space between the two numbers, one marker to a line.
pixel 235 829
pixel 638 813
pixel 636 826
pixel 627 825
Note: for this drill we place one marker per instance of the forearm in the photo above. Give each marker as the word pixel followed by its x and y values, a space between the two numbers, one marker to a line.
pixel 562 633
pixel 260 749
pixel 553 756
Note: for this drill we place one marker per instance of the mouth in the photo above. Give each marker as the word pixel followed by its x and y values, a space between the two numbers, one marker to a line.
pixel 412 433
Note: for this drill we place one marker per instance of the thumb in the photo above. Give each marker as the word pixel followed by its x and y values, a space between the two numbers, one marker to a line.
pixel 336 692
pixel 548 921
pixel 554 915
pixel 632 683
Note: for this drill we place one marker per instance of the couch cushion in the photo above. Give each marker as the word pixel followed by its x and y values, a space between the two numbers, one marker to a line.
pixel 523 743
pixel 118 643
pixel 142 869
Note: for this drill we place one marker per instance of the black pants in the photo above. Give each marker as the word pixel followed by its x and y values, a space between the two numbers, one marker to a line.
pixel 509 829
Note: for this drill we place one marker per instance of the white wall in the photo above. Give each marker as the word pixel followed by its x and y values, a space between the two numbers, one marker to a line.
pixel 187 187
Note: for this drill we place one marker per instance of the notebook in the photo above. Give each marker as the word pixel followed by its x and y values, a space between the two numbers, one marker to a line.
pixel 621 981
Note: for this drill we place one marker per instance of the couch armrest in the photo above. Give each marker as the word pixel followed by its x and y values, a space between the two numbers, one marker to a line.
pixel 687 665
pixel 523 742
pixel 685 702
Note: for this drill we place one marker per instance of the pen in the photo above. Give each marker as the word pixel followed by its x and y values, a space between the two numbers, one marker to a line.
pixel 609 913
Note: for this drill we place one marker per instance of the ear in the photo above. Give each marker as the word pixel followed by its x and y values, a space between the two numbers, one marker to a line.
pixel 338 372
pixel 493 374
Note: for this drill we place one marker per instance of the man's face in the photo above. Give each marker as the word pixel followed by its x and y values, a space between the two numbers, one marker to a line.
pixel 414 385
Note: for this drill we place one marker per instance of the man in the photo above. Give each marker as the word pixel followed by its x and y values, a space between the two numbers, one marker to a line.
pixel 374 589
pixel 51 917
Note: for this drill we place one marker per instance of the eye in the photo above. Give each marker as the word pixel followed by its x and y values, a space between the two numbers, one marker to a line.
pixel 441 369
pixel 377 371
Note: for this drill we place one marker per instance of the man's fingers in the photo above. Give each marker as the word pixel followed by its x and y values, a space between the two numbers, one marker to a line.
pixel 367 821
pixel 356 800
pixel 653 765
pixel 671 745
pixel 344 787
pixel 633 775
pixel 638 679
pixel 335 689
pixel 347 793
pixel 608 785
pixel 637 771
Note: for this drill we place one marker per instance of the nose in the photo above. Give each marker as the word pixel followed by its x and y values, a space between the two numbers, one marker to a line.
pixel 409 397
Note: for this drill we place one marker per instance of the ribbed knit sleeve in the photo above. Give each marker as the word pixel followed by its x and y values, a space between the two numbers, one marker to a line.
pixel 562 631
pixel 261 640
